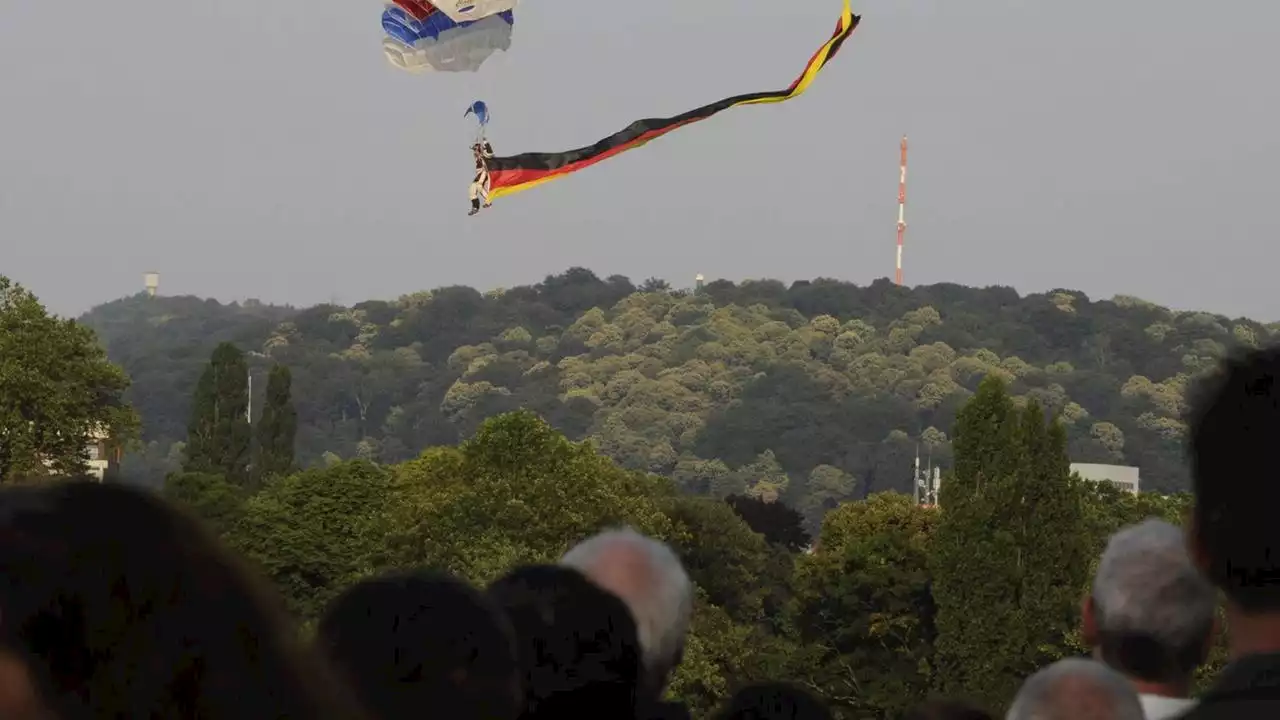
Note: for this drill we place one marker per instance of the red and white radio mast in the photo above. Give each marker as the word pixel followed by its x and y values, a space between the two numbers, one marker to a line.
pixel 902 207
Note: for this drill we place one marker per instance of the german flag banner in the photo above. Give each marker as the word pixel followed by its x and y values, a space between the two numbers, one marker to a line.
pixel 514 173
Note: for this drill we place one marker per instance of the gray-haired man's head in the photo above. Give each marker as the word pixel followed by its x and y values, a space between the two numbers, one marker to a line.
pixel 1151 612
pixel 650 579
pixel 1076 688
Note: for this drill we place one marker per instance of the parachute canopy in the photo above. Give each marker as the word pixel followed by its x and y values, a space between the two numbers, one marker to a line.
pixel 480 110
pixel 421 37
pixel 514 173
pixel 463 10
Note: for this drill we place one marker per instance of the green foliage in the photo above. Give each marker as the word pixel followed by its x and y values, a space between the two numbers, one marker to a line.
pixel 864 606
pixel 516 492
pixel 721 554
pixel 211 498
pixel 1011 515
pixel 218 435
pixel 277 428
pixel 778 523
pixel 871 619
pixel 822 374
pixel 57 388
pixel 316 532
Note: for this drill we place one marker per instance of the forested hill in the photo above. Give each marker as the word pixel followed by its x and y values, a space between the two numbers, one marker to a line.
pixel 818 392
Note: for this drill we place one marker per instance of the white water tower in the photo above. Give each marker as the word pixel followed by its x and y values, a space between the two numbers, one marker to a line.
pixel 152 281
pixel 697 282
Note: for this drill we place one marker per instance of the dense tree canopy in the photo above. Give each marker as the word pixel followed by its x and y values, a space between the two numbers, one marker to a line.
pixel 56 389
pixel 865 617
pixel 814 393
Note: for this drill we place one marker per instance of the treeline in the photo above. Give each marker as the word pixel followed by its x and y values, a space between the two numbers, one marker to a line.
pixel 890 604
pixel 817 392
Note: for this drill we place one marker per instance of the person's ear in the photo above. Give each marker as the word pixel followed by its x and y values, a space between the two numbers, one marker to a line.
pixel 1088 622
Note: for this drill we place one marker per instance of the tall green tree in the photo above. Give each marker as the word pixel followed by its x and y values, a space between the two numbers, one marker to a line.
pixel 982 631
pixel 863 608
pixel 1057 551
pixel 277 427
pixel 56 388
pixel 218 435
pixel 1014 516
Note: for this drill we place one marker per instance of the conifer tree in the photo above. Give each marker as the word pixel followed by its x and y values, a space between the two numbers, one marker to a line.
pixel 974 563
pixel 1056 546
pixel 1011 554
pixel 218 433
pixel 277 427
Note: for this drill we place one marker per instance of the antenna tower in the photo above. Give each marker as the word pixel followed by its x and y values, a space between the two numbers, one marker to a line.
pixel 902 208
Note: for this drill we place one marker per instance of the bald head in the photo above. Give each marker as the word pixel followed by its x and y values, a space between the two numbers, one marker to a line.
pixel 649 578
pixel 1076 688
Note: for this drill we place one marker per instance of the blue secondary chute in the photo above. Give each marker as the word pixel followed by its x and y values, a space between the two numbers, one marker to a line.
pixel 421 37
pixel 480 110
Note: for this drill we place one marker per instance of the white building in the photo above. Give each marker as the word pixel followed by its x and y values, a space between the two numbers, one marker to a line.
pixel 1124 477
pixel 101 455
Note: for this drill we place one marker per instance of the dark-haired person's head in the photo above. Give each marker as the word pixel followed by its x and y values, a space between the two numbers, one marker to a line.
pixel 947 710
pixel 1233 427
pixel 414 644
pixel 578 648
pixel 773 701
pixel 115 605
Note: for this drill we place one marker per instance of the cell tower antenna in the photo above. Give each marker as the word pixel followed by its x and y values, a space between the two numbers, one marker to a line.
pixel 901 212
pixel 902 208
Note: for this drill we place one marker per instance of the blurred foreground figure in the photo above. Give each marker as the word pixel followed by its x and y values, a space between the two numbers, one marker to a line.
pixel 650 579
pixel 1234 536
pixel 1150 615
pixel 114 605
pixel 1076 689
pixel 773 701
pixel 577 644
pixel 412 643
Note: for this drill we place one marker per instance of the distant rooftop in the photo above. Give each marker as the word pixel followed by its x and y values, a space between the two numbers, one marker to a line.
pixel 1125 477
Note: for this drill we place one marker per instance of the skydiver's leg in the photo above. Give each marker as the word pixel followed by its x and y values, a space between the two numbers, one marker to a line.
pixel 484 194
pixel 474 194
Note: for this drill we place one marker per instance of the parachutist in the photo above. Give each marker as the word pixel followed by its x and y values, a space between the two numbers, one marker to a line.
pixel 482 151
pixel 515 173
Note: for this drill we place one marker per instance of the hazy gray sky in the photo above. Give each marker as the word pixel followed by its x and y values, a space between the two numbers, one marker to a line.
pixel 265 149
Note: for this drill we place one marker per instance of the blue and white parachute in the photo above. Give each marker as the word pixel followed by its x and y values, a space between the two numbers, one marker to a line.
pixel 454 36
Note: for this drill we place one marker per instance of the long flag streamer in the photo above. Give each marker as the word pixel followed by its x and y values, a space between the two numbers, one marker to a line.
pixel 514 173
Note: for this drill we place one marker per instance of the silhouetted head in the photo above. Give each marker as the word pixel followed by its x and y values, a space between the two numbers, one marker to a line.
pixel 418 642
pixel 120 606
pixel 773 701
pixel 578 650
pixel 1233 426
